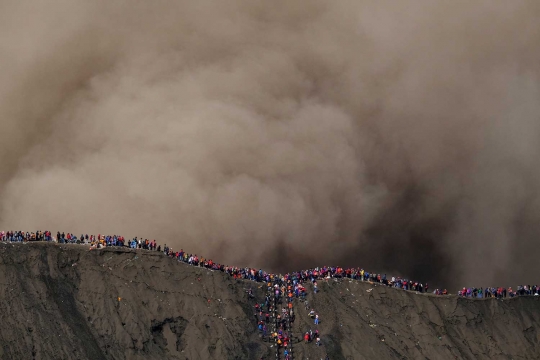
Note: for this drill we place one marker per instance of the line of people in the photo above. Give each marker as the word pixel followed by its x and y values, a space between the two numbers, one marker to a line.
pixel 21 236
pixel 499 292
pixel 297 277
pixel 97 241
pixel 326 272
pixel 278 292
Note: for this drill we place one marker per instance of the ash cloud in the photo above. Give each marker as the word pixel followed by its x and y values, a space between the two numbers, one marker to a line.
pixel 403 137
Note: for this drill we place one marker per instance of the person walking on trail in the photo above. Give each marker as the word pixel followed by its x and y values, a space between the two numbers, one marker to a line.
pixel 316 319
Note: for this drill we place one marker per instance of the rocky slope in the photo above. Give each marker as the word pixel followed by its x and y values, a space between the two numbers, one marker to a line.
pixel 65 302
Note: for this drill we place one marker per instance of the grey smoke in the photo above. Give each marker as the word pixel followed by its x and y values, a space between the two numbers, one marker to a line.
pixel 403 137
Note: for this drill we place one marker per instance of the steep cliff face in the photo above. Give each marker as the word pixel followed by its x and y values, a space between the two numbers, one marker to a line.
pixel 65 302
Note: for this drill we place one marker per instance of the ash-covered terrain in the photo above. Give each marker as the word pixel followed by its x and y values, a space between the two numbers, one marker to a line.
pixel 66 302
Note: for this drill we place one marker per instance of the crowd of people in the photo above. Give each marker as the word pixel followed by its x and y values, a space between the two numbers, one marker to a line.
pixel 298 277
pixel 98 241
pixel 279 286
pixel 499 292
pixel 277 314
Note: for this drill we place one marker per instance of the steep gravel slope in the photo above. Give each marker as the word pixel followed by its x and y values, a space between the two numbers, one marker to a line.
pixel 66 302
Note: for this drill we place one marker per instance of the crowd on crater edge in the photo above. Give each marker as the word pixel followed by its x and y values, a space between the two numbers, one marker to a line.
pixel 300 277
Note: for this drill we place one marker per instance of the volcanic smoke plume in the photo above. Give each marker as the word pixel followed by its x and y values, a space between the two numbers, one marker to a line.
pixel 404 138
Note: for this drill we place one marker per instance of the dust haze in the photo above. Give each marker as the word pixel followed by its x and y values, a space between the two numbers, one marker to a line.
pixel 401 137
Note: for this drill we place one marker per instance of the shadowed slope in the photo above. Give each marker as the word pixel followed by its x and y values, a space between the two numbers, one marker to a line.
pixel 65 302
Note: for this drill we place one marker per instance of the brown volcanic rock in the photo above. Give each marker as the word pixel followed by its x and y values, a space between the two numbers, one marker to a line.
pixel 65 302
